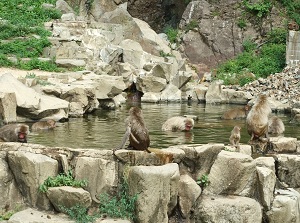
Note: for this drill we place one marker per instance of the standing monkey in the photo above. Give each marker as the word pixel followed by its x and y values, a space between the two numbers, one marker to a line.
pixel 235 137
pixel 136 131
pixel 257 119
pixel 14 133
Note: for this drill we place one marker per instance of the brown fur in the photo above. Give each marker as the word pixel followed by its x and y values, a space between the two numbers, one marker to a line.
pixel 136 131
pixel 14 133
pixel 237 113
pixel 235 137
pixel 178 123
pixel 257 118
pixel 275 126
pixel 43 125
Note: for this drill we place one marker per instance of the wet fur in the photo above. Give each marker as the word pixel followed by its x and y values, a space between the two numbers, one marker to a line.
pixel 257 118
pixel 43 125
pixel 177 123
pixel 236 113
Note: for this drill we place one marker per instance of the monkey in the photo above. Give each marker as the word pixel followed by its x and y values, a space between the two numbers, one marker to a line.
pixel 14 133
pixel 275 126
pixel 178 123
pixel 293 26
pixel 237 113
pixel 257 119
pixel 235 137
pixel 136 132
pixel 44 125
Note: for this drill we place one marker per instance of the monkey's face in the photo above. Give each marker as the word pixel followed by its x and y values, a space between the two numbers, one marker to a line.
pixel 22 137
pixel 188 125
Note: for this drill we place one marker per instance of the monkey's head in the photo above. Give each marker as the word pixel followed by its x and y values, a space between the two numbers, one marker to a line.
pixel 51 123
pixel 21 132
pixel 189 124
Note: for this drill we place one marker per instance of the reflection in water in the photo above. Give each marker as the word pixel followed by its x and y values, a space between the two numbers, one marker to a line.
pixel 105 129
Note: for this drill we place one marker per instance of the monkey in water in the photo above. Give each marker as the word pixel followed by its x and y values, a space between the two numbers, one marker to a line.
pixel 237 113
pixel 257 119
pixel 43 125
pixel 235 137
pixel 14 133
pixel 178 123
pixel 136 131
pixel 275 126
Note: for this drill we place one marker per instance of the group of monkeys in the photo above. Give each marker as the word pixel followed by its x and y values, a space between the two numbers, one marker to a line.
pixel 258 123
pixel 19 132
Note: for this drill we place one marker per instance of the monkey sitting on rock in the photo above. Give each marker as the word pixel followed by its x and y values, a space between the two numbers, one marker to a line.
pixel 136 132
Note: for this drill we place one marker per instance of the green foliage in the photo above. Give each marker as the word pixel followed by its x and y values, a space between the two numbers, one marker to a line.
pixel 260 8
pixel 62 180
pixel 22 28
pixel 292 8
pixel 6 214
pixel 203 181
pixel 172 34
pixel 35 63
pixel 120 206
pixel 191 25
pixel 241 23
pixel 163 54
pixel 79 214
pixel 262 61
pixel 30 75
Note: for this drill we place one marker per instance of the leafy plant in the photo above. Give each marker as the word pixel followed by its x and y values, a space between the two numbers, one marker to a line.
pixel 79 214
pixel 260 8
pixel 241 23
pixel 172 34
pixel 191 25
pixel 62 180
pixel 203 181
pixel 30 75
pixel 163 54
pixel 120 206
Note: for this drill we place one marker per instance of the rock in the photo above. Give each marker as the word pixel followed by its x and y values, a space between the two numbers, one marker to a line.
pixel 285 206
pixel 30 215
pixel 156 186
pixel 238 175
pixel 8 107
pixel 188 193
pixel 284 144
pixel 234 209
pixel 288 168
pixel 67 197
pixel 31 170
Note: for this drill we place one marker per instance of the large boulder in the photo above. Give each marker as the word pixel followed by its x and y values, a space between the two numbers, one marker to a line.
pixel 157 189
pixel 234 209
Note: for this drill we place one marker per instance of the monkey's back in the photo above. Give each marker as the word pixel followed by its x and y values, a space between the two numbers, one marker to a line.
pixel 257 118
pixel 139 138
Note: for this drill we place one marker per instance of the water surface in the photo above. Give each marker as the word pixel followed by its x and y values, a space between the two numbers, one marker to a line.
pixel 104 129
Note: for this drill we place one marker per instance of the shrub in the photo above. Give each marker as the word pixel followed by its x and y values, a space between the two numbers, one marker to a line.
pixel 120 206
pixel 62 180
pixel 171 34
pixel 79 214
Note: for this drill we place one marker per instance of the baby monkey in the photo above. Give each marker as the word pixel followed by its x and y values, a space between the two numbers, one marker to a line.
pixel 235 137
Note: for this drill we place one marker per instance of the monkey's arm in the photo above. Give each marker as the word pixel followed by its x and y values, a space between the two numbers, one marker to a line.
pixel 125 138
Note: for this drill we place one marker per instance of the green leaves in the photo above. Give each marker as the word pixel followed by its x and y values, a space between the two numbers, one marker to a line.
pixel 62 180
